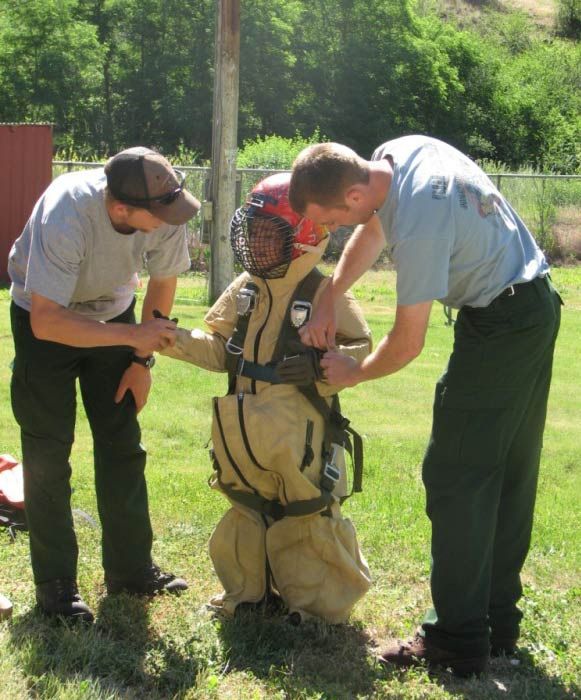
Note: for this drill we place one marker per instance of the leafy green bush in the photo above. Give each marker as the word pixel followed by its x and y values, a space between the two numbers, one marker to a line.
pixel 569 19
pixel 275 152
pixel 183 155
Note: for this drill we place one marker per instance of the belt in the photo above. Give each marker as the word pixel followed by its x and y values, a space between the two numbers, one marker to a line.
pixel 516 289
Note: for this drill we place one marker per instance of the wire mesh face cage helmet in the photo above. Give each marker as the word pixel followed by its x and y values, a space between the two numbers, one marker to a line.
pixel 263 232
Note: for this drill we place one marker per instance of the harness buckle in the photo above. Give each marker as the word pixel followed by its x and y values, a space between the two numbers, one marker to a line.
pixel 340 421
pixel 246 301
pixel 232 348
pixel 330 474
pixel 300 313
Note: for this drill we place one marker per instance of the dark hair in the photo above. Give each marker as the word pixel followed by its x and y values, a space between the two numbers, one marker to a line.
pixel 322 173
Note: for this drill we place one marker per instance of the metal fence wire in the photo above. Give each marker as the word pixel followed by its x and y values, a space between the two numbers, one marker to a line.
pixel 550 205
pixel 197 182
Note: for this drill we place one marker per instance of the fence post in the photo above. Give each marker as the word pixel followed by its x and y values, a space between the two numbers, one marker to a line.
pixel 224 142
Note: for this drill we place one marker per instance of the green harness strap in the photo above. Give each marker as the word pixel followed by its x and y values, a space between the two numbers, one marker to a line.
pixel 336 430
pixel 273 509
pixel 245 304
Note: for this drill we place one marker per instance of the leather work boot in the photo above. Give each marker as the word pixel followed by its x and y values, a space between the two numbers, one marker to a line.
pixel 148 582
pixel 418 651
pixel 60 597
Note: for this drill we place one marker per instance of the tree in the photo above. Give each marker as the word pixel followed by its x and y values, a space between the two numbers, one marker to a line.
pixel 50 67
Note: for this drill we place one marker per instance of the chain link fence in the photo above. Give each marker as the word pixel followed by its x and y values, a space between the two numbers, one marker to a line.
pixel 550 205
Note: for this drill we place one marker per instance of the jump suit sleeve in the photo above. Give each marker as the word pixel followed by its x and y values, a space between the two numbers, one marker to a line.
pixel 207 349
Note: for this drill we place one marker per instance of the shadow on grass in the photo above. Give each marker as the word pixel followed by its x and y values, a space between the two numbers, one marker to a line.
pixel 339 662
pixel 517 677
pixel 123 656
pixel 311 658
pixel 119 654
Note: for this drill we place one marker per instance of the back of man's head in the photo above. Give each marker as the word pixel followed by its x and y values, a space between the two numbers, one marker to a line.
pixel 322 173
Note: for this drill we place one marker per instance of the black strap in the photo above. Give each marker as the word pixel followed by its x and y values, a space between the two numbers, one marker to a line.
pixel 235 344
pixel 336 429
pixel 253 370
pixel 275 509
pixel 13 519
pixel 289 335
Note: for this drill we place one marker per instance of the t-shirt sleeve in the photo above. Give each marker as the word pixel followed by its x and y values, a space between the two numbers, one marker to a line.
pixel 422 270
pixel 170 255
pixel 57 249
pixel 421 254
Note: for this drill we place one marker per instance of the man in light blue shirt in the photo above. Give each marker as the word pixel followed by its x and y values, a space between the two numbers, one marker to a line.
pixel 453 238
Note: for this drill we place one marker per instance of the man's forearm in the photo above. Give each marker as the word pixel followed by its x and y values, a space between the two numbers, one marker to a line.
pixel 60 325
pixel 53 322
pixel 359 254
pixel 403 343
pixel 389 357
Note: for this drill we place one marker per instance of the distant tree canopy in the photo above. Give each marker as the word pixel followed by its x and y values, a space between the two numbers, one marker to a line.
pixel 112 73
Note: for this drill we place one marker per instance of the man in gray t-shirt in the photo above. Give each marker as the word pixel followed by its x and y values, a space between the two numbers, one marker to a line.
pixel 454 238
pixel 74 271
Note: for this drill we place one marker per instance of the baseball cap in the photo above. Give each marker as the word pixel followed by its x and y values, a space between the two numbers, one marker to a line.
pixel 143 178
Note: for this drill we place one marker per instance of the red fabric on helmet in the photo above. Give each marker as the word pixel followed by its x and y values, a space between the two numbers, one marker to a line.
pixel 273 191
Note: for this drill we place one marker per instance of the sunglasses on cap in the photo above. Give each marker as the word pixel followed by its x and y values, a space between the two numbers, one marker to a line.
pixel 163 199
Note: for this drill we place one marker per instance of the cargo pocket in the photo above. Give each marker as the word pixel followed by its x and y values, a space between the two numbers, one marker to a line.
pixel 317 566
pixel 237 550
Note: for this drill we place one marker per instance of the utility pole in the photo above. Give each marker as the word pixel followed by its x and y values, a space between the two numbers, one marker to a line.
pixel 224 144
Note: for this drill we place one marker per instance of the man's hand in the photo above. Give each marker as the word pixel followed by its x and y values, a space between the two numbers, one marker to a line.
pixel 137 380
pixel 340 370
pixel 153 336
pixel 320 330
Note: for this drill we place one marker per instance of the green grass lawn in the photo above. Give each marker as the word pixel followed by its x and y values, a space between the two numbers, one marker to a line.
pixel 173 648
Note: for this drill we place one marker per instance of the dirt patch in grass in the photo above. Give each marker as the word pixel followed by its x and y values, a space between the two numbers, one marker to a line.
pixel 542 11
pixel 567 233
pixel 467 12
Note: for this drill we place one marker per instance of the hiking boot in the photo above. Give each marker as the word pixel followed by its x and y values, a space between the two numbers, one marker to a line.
pixel 148 582
pixel 60 597
pixel 419 651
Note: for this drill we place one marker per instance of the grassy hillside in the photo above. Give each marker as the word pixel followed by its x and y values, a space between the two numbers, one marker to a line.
pixel 469 12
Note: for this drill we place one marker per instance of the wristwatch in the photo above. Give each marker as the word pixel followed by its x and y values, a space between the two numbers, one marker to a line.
pixel 148 361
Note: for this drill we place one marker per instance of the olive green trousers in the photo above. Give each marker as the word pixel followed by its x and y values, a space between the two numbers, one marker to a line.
pixel 481 466
pixel 44 404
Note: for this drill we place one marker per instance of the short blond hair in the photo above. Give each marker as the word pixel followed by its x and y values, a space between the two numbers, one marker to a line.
pixel 322 173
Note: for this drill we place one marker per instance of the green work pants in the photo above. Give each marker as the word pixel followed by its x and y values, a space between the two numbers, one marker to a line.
pixel 44 405
pixel 481 466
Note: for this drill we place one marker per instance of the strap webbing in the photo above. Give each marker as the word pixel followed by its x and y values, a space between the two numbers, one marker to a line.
pixel 289 335
pixel 337 429
pixel 253 370
pixel 275 509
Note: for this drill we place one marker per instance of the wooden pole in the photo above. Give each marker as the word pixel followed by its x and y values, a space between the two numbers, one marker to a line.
pixel 224 143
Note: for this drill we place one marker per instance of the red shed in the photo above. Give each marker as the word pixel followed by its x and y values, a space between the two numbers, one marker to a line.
pixel 25 172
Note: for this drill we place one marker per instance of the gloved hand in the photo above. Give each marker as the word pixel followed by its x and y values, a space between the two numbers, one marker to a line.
pixel 301 369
